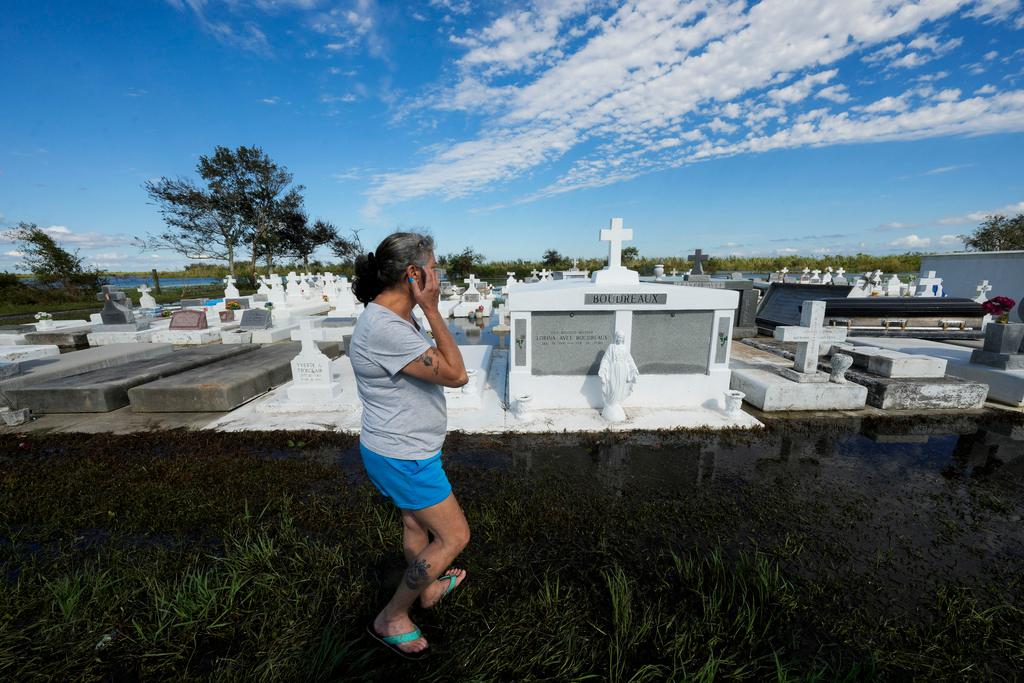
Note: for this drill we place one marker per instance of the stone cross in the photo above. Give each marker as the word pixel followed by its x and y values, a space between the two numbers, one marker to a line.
pixel 230 290
pixel 983 289
pixel 698 259
pixel 534 272
pixel 812 338
pixel 544 274
pixel 615 235
pixel 575 264
pixel 675 273
pixel 511 279
pixel 930 285
pixel 840 272
pixel 145 299
pixel 817 275
pixel 471 281
pixel 783 272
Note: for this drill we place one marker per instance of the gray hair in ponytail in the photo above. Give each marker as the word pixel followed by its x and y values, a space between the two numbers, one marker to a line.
pixel 384 267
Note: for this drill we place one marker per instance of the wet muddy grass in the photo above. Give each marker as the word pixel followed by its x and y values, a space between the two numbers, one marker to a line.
pixel 814 550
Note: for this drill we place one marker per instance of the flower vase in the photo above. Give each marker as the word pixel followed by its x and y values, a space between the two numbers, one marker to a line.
pixel 45 324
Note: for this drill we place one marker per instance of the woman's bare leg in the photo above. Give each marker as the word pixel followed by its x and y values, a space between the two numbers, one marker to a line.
pixel 448 525
pixel 414 537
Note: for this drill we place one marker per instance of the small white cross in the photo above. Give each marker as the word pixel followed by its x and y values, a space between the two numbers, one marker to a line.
pixel 810 336
pixel 983 287
pixel 615 235
pixel 471 281
pixel 806 271
pixel 144 289
pixel 674 272
pixel 816 273
pixel 829 269
pixel 840 272
pixel 229 280
pixel 784 271
pixel 544 274
pixel 575 263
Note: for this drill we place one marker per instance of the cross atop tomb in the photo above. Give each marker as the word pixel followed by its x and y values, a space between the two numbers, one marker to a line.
pixel 544 274
pixel 615 235
pixel 784 271
pixel 309 347
pixel 698 259
pixel 674 273
pixel 816 273
pixel 575 264
pixel 811 336
pixel 930 285
pixel 840 272
pixel 471 281
pixel 145 289
pixel 983 288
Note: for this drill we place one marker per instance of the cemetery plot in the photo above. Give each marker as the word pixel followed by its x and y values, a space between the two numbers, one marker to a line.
pixel 222 386
pixel 106 389
pixel 44 369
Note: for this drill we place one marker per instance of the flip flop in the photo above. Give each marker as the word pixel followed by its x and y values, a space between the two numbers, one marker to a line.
pixel 452 580
pixel 392 643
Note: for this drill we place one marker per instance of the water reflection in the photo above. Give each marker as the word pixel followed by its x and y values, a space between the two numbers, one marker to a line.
pixel 905 453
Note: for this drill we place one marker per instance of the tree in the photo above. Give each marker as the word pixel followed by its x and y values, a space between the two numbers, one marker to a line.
pixel 247 199
pixel 347 248
pixel 552 258
pixel 50 264
pixel 629 255
pixel 300 238
pixel 997 233
pixel 460 264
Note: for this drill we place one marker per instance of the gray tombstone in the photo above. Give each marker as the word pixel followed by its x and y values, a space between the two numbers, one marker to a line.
pixel 338 322
pixel 115 313
pixel 671 342
pixel 243 303
pixel 256 319
pixel 192 303
pixel 189 320
pixel 570 343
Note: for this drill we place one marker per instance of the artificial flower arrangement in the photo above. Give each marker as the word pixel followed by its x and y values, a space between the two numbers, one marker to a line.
pixel 326 299
pixel 43 315
pixel 233 306
pixel 999 307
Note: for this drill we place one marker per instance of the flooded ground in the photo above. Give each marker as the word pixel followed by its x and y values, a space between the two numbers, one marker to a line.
pixel 814 549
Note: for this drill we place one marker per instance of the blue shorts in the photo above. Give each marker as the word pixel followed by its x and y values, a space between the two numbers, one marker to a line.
pixel 411 484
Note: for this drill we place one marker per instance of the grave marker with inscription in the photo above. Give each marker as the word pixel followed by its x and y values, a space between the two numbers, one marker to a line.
pixel 679 337
pixel 188 320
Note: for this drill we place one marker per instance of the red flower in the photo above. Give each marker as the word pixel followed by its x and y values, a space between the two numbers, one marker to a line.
pixel 999 305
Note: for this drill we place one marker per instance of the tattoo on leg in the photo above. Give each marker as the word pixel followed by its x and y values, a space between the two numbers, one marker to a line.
pixel 416 575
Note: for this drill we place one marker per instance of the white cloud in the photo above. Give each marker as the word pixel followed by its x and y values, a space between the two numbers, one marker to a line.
pixel 271 100
pixel 912 242
pixel 802 88
pixel 786 251
pixel 950 240
pixel 985 90
pixel 622 88
pixel 978 216
pixel 895 225
pixel 835 93
pixel 994 10
pixel 14 253
pixel 991 54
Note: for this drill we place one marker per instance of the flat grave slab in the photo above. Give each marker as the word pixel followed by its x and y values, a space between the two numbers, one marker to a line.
pixel 221 386
pixel 130 337
pixel 1004 386
pixel 106 389
pixel 208 335
pixel 66 338
pixel 940 392
pixel 19 353
pixel 770 392
pixel 65 365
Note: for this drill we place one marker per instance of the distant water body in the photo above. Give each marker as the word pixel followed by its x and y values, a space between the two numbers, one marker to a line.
pixel 129 281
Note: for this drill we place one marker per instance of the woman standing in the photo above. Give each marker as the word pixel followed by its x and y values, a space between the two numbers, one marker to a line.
pixel 400 374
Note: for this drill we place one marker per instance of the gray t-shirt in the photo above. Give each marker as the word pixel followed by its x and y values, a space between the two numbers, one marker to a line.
pixel 403 417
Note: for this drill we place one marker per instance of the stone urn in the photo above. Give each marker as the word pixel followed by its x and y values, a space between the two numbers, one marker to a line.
pixel 659 271
pixel 1004 337
pixel 45 324
pixel 734 402
pixel 521 408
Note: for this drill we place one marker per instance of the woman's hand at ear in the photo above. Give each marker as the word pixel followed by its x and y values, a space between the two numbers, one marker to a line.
pixel 426 292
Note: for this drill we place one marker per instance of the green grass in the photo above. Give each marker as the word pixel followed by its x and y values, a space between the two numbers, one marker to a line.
pixel 185 556
pixel 73 310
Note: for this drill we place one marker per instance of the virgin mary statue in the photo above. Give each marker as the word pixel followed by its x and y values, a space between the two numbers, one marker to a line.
pixel 619 374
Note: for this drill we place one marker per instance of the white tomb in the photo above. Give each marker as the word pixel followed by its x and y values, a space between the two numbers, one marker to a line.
pixel 146 299
pixel 680 339
pixel 230 290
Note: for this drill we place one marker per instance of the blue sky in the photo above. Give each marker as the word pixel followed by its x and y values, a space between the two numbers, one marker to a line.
pixel 773 127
